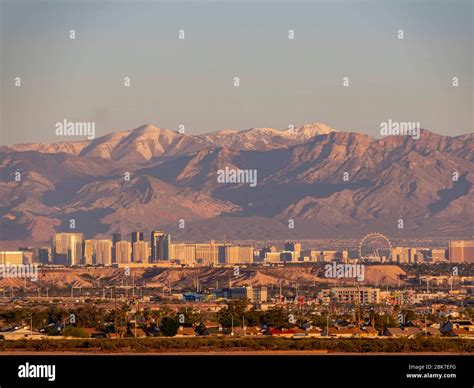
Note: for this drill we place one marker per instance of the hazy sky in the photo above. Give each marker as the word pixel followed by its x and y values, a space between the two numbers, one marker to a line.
pixel 190 81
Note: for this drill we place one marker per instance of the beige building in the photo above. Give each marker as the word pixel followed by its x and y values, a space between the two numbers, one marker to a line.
pixel 211 254
pixel 185 253
pixel 208 253
pixel 89 250
pixel 98 252
pixel 235 254
pixel 123 252
pixel 401 255
pixel 67 248
pixel 11 257
pixel 28 257
pixel 140 252
pixel 438 255
pixel 405 255
pixel 461 251
pixel 104 252
pixel 362 295
pixel 272 257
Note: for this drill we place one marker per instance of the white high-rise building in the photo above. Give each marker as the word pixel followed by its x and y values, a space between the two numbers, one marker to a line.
pixel 67 248
pixel 123 252
pixel 98 252
pixel 140 252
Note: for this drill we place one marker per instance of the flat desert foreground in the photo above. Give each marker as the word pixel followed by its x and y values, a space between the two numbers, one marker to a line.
pixel 228 353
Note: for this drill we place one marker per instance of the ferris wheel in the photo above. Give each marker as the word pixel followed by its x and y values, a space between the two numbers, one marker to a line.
pixel 375 247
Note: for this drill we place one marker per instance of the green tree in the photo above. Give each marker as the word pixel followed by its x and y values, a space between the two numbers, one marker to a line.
pixel 56 314
pixel 253 317
pixel 90 316
pixel 233 313
pixel 191 316
pixel 277 317
pixel 382 321
pixel 321 321
pixel 409 315
pixel 169 326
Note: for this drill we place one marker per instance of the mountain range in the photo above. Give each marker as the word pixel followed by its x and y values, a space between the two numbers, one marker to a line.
pixel 323 182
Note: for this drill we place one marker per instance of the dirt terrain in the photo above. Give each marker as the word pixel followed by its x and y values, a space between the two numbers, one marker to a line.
pixel 208 277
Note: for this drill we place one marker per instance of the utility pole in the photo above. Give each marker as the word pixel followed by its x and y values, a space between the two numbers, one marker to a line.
pixel 280 294
pixel 133 286
pixel 358 307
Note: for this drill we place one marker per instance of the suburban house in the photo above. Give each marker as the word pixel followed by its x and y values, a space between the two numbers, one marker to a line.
pixel 399 332
pixel 342 332
pixel 284 333
pixel 313 332
pixel 457 324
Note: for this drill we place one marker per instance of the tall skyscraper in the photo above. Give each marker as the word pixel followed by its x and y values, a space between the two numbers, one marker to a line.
pixel 160 245
pixel 155 242
pixel 123 252
pixel 292 246
pixel 140 252
pixel 89 252
pixel 461 251
pixel 98 252
pixel 116 237
pixel 165 247
pixel 67 248
pixel 103 252
pixel 438 255
pixel 135 237
pixel 44 255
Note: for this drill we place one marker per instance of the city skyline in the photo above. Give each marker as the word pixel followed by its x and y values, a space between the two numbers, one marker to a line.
pixel 73 249
pixel 185 180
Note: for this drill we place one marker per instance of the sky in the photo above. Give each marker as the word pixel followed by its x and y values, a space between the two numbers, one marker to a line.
pixel 190 82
